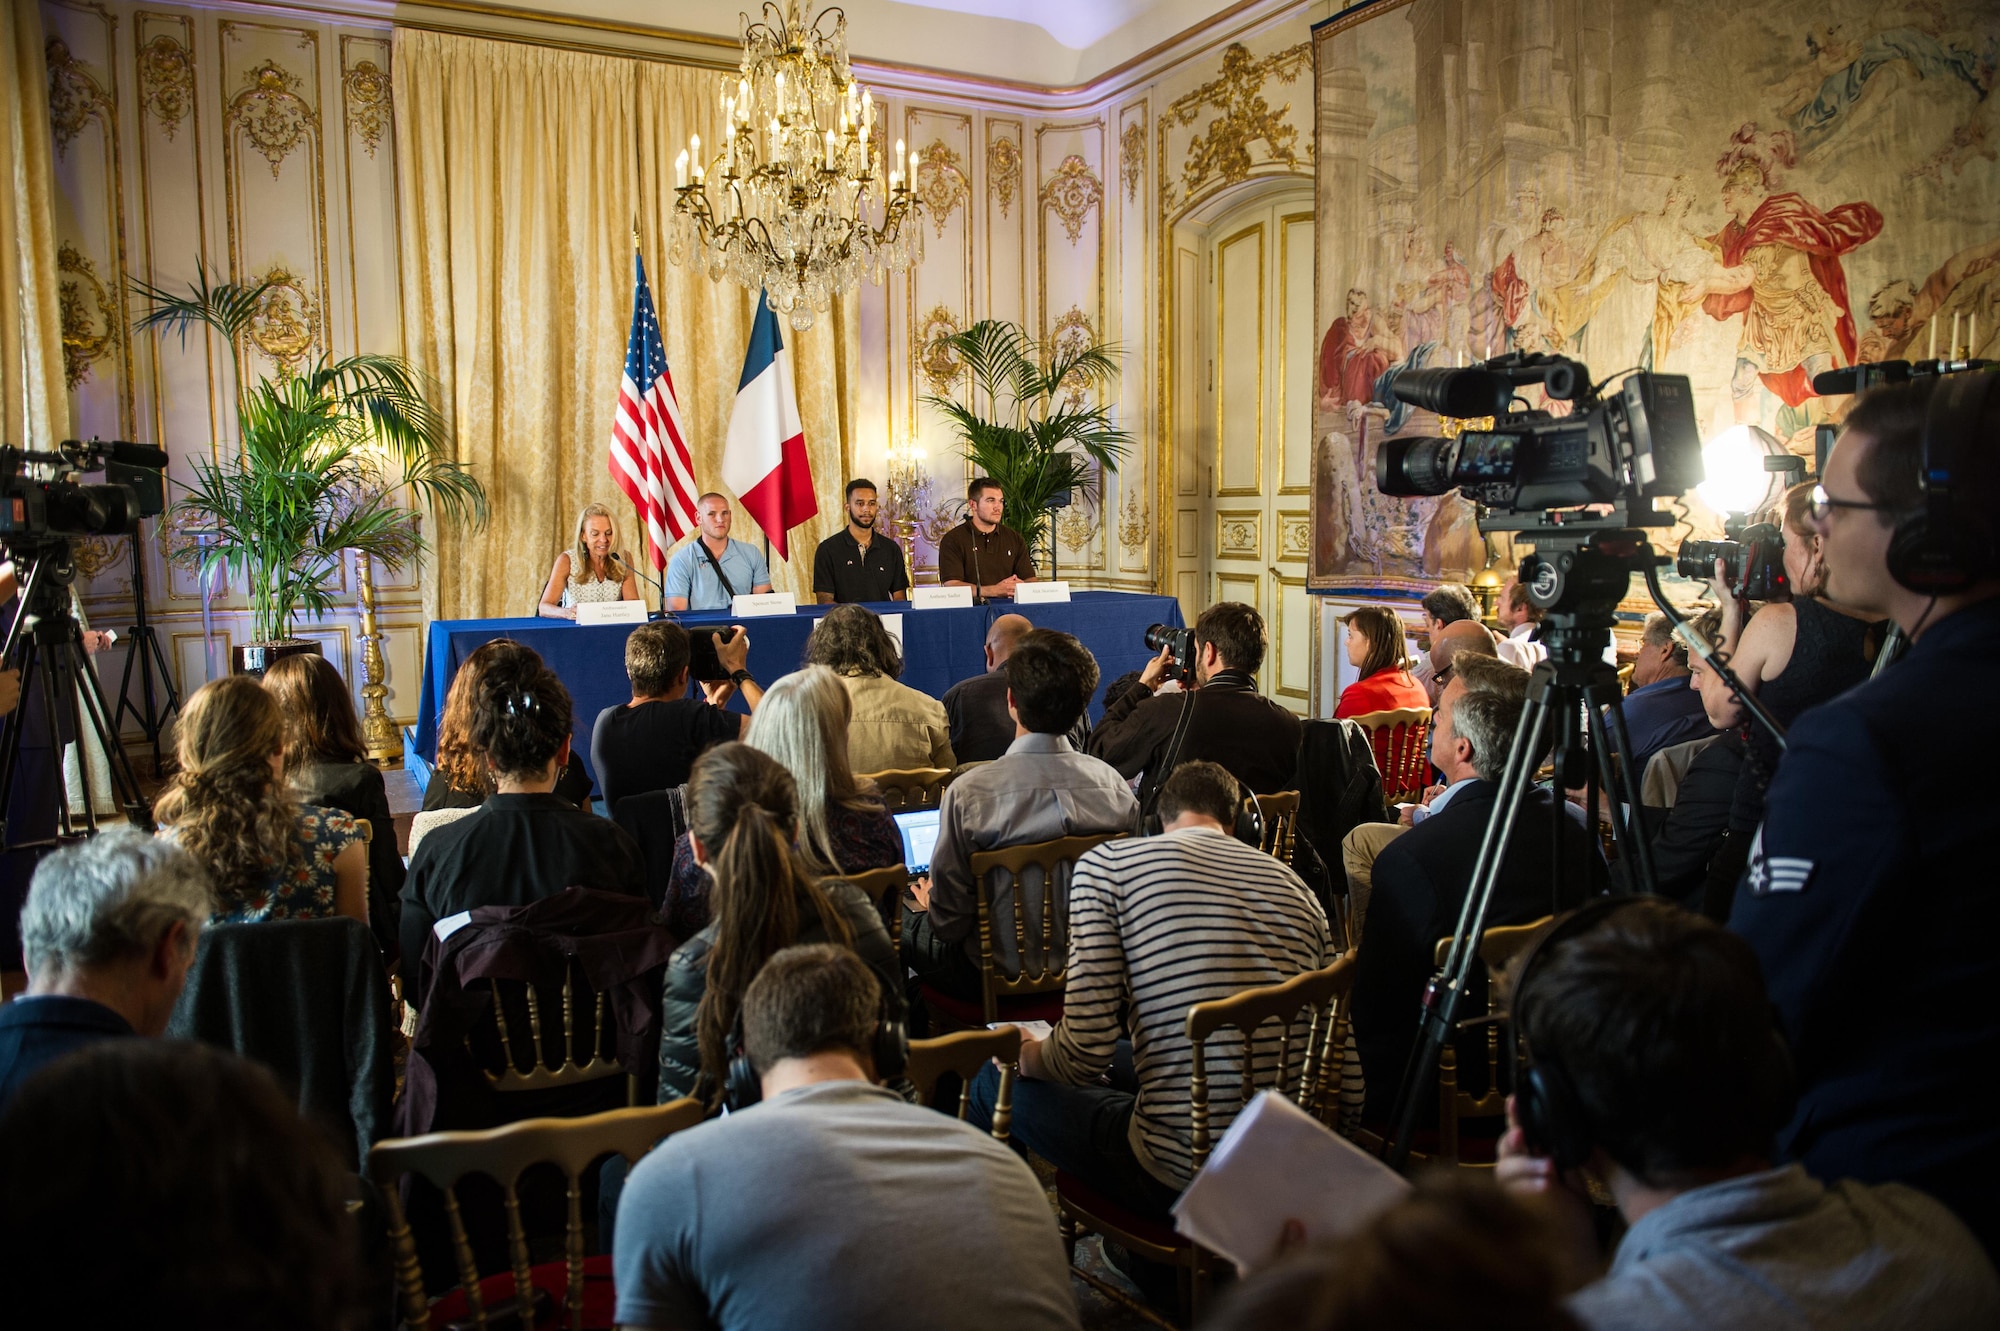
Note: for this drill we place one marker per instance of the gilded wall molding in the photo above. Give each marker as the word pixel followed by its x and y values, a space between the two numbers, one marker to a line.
pixel 1071 333
pixel 1133 520
pixel 1222 151
pixel 367 102
pixel 166 82
pixel 941 182
pixel 1073 193
pixel 287 319
pixel 940 364
pixel 1132 157
pixel 88 313
pixel 271 113
pixel 75 97
pixel 1003 171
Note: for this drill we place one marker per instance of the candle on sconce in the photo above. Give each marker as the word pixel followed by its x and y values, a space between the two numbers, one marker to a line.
pixel 832 157
pixel 681 170
pixel 913 166
pixel 1933 351
pixel 899 153
pixel 1952 353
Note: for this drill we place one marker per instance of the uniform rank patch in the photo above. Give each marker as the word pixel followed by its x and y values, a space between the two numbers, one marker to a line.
pixel 1776 873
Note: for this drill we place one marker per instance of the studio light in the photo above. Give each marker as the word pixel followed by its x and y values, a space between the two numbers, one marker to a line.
pixel 1733 463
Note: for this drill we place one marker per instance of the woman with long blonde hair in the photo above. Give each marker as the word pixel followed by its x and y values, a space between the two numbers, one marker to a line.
pixel 271 857
pixel 591 570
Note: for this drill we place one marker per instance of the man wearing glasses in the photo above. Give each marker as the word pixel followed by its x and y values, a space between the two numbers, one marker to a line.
pixel 1871 896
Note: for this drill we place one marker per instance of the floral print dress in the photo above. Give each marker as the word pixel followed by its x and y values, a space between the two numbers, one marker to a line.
pixel 303 890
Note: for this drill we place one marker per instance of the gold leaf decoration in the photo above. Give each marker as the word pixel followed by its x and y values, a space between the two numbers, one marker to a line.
pixel 75 97
pixel 1294 535
pixel 368 102
pixel 1132 157
pixel 1074 192
pixel 271 113
pixel 287 319
pixel 1003 171
pixel 93 554
pixel 87 313
pixel 1132 516
pixel 941 182
pixel 166 81
pixel 1076 527
pixel 1222 151
pixel 1071 334
pixel 940 364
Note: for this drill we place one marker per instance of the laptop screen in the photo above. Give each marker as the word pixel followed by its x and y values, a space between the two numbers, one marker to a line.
pixel 920 831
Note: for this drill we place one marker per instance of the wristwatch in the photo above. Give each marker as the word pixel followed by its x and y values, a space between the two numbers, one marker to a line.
pixel 740 678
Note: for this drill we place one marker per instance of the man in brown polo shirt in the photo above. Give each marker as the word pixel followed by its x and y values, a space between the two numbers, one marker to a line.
pixel 980 553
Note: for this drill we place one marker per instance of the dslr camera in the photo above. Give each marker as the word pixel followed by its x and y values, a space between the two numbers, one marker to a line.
pixel 43 499
pixel 1753 559
pixel 1620 452
pixel 1161 638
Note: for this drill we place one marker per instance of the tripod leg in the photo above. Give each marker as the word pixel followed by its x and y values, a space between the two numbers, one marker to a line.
pixel 22 658
pixel 1624 793
pixel 124 781
pixel 51 676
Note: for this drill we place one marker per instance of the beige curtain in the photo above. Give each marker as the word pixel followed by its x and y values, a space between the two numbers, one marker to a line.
pixel 522 171
pixel 36 404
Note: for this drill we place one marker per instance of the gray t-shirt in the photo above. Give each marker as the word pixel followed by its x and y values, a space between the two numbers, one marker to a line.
pixel 1778 1250
pixel 838 1206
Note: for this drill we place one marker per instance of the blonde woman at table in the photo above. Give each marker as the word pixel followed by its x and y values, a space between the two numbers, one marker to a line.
pixel 589 572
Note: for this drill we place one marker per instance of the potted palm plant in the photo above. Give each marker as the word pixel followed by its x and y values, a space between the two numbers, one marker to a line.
pixel 325 453
pixel 1044 433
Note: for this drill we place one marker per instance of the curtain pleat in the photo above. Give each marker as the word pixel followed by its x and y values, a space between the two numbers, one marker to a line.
pixel 34 402
pixel 522 172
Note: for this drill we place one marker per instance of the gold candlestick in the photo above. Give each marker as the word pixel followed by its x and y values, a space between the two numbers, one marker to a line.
pixel 378 731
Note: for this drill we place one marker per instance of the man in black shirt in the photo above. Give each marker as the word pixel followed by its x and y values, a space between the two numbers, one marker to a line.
pixel 857 563
pixel 651 742
pixel 980 553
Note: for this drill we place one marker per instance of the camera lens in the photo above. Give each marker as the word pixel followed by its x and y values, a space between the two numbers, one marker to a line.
pixel 1696 559
pixel 1418 466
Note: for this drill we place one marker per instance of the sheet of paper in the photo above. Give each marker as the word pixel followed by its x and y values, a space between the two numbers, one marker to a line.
pixel 1030 1030
pixel 1279 1163
pixel 1040 593
pixel 941 598
pixel 750 605
pixel 451 924
pixel 894 623
pixel 611 612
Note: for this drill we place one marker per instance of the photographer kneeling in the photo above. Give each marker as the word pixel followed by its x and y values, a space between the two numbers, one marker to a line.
pixel 1228 723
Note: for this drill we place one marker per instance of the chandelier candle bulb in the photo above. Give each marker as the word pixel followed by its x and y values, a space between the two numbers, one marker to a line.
pixel 681 170
pixel 832 159
pixel 913 167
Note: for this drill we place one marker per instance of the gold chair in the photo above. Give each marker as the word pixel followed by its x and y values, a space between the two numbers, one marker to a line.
pixel 445 1158
pixel 1280 813
pixel 1321 996
pixel 966 1053
pixel 885 887
pixel 1054 859
pixel 906 789
pixel 1401 740
pixel 587 1052
pixel 1498 946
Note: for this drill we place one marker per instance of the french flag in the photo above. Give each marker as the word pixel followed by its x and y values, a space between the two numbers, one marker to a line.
pixel 764 459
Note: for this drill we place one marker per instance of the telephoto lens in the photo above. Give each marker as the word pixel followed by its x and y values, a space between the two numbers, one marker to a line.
pixel 1420 466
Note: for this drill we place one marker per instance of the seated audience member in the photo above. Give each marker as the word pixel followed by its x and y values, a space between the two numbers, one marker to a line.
pixel 1657 1071
pixel 743 819
pixel 1375 648
pixel 981 725
pixel 652 741
pixel 895 728
pixel 461 778
pixel 1039 790
pixel 1455 1254
pixel 1871 904
pixel 269 857
pixel 1520 619
pixel 1446 604
pixel 832 1203
pixel 843 827
pixel 326 763
pixel 1470 672
pixel 525 843
pixel 1447 644
pixel 108 934
pixel 224 1208
pixel 1157 924
pixel 1421 878
pixel 1661 708
pixel 591 571
pixel 1253 738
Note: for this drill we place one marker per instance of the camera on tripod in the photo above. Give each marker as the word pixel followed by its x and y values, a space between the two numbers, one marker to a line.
pixel 1753 559
pixel 1162 637
pixel 43 499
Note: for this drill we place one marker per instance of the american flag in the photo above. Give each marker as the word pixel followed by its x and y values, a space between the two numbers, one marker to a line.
pixel 649 452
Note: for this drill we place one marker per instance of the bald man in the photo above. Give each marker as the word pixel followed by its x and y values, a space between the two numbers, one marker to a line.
pixel 1466 635
pixel 981 728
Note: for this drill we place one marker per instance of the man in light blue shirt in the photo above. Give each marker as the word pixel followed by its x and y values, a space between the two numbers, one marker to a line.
pixel 711 569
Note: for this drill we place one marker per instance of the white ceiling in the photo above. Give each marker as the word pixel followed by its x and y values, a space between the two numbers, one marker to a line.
pixel 1052 43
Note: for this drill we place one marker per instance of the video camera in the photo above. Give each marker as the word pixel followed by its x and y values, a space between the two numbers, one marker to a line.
pixel 1622 452
pixel 42 499
pixel 1161 637
pixel 1753 559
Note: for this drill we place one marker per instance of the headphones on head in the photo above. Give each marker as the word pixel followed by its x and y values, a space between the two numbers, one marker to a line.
pixel 1945 546
pixel 888 1049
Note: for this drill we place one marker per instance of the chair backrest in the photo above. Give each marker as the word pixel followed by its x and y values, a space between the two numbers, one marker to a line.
pixel 587 1051
pixel 903 789
pixel 966 1053
pixel 884 887
pixel 1318 994
pixel 1280 813
pixel 444 1158
pixel 432 819
pixel 1401 740
pixel 1047 926
pixel 1497 946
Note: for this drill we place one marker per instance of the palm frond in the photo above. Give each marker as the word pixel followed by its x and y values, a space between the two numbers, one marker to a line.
pixel 227 307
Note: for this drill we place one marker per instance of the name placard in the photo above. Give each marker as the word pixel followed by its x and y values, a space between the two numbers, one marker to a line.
pixel 1040 593
pixel 941 598
pixel 894 624
pixel 753 605
pixel 611 612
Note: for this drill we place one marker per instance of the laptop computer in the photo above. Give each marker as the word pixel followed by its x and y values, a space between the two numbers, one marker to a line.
pixel 920 832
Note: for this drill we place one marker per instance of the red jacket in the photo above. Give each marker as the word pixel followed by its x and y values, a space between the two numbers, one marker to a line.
pixel 1383 691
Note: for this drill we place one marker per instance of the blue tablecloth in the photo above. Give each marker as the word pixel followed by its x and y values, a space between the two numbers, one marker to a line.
pixel 940 647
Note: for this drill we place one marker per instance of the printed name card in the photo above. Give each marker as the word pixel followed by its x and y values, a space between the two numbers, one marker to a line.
pixel 752 605
pixel 1040 593
pixel 894 624
pixel 941 598
pixel 611 612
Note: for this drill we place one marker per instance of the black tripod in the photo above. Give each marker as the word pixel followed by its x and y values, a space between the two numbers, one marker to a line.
pixel 45 644
pixel 145 654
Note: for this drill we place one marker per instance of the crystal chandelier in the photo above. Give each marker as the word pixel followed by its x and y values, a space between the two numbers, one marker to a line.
pixel 808 200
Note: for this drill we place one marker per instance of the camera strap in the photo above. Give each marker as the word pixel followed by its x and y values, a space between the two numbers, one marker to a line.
pixel 714 563
pixel 1157 778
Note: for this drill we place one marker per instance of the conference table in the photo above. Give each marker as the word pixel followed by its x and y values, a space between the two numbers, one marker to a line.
pixel 940 647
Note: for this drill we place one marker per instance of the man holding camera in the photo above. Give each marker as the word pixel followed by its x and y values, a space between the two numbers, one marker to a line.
pixel 1870 892
pixel 651 742
pixel 1222 719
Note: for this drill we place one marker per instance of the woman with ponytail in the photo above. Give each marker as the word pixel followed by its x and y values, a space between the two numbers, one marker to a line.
pixel 525 842
pixel 743 823
pixel 271 857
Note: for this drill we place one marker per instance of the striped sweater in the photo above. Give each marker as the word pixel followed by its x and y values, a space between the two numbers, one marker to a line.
pixel 1158 924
